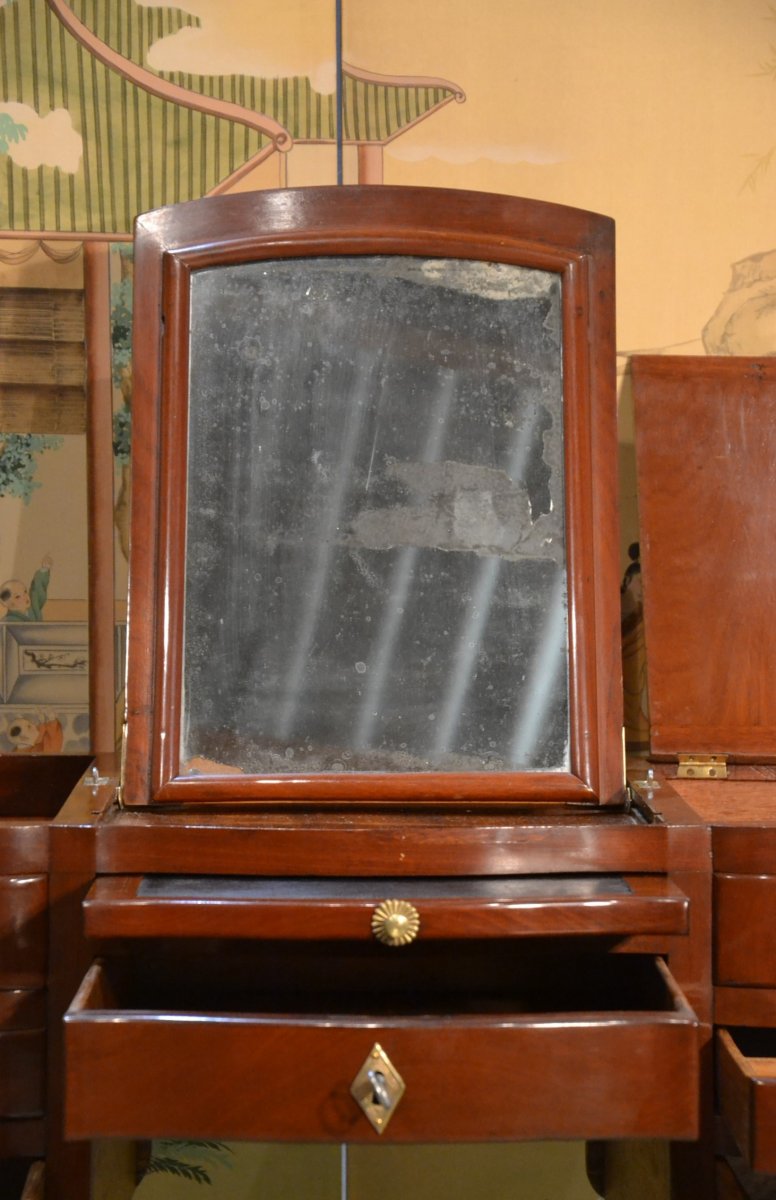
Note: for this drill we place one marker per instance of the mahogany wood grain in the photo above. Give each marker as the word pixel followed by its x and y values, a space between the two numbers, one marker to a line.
pixel 68 1166
pixel 749 849
pixel 37 785
pixel 173 242
pixel 309 844
pixel 23 845
pixel 113 908
pixel 690 957
pixel 745 929
pixel 689 862
pixel 23 930
pixel 737 1005
pixel 23 1137
pixel 747 1094
pixel 742 815
pixel 733 802
pixel 487 1076
pixel 22 1072
pixel 22 1008
pixel 705 447
pixel 72 835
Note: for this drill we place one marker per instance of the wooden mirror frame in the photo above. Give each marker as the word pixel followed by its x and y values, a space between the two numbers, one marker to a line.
pixel 172 243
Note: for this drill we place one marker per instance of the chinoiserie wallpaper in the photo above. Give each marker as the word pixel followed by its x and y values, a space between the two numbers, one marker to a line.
pixel 658 113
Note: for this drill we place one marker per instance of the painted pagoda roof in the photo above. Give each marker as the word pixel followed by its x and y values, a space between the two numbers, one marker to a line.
pixel 151 138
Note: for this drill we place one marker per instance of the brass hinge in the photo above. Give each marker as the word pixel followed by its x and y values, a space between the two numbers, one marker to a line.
pixel 702 766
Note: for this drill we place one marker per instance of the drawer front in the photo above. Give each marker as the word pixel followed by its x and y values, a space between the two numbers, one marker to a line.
pixel 737 1005
pixel 21 1073
pixel 22 1008
pixel 487 1075
pixel 305 909
pixel 136 906
pixel 746 1079
pixel 24 844
pixel 23 932
pixel 23 1138
pixel 745 931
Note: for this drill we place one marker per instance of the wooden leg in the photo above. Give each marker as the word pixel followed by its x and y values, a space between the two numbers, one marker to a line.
pixel 638 1169
pixel 113 1170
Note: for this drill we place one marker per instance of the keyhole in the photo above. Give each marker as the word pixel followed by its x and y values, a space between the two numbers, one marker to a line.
pixel 380 1093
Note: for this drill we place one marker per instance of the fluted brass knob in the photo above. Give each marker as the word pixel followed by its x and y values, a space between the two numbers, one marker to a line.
pixel 395 922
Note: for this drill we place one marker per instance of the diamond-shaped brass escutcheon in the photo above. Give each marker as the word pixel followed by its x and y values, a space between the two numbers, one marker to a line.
pixel 378 1088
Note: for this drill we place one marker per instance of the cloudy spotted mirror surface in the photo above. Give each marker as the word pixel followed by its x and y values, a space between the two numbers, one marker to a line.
pixel 375 569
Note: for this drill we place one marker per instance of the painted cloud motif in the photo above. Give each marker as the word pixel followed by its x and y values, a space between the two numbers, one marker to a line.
pixel 50 141
pixel 295 38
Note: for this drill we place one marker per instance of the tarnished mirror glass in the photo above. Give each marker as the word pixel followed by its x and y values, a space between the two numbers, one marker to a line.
pixel 375 575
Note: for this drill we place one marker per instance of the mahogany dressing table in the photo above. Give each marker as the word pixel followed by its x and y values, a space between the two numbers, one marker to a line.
pixel 371 869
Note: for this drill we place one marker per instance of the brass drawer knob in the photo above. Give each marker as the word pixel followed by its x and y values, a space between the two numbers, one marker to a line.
pixel 395 923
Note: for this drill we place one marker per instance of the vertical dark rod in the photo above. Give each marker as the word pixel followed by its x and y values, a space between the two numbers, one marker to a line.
pixel 338 40
pixel 344 1171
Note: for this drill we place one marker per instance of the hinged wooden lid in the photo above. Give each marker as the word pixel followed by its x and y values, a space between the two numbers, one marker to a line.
pixel 706 465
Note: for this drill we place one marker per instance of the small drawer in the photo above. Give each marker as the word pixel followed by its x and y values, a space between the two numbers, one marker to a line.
pixel 545 1048
pixel 23 1137
pixel 745 932
pixel 128 906
pixel 746 1080
pixel 24 844
pixel 22 1008
pixel 21 1073
pixel 23 930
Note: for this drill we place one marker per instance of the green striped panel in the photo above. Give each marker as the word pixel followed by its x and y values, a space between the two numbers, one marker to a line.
pixel 139 152
pixel 374 112
pixel 371 111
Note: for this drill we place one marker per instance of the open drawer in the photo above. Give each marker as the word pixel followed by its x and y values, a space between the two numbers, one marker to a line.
pixel 746 1080
pixel 493 1041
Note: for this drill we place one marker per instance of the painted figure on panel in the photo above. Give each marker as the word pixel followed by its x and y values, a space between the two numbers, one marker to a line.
pixel 42 737
pixel 23 603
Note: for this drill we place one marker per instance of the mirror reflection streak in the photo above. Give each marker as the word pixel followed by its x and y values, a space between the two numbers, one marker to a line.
pixel 375 567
